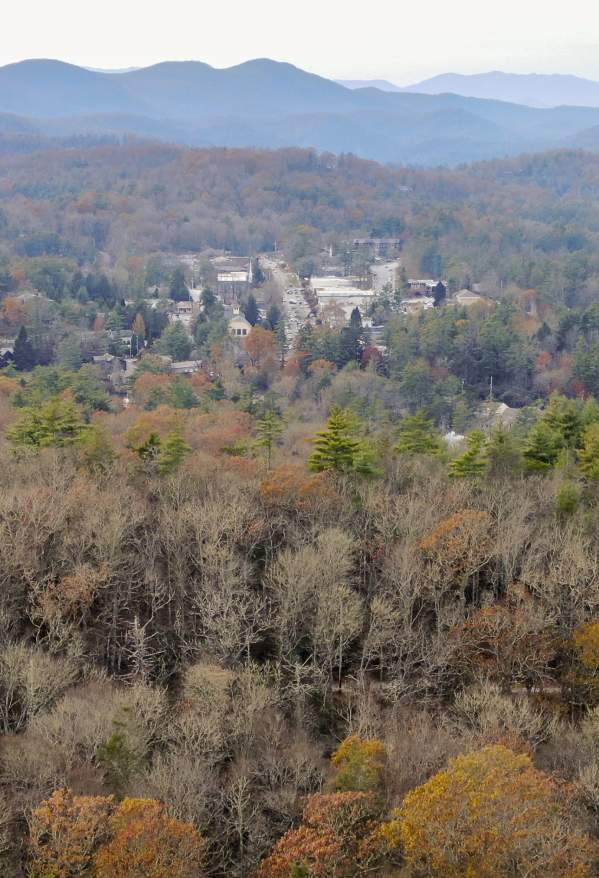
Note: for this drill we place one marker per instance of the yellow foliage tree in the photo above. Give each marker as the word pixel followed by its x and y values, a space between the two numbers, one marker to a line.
pixel 491 814
pixel 585 671
pixel 586 642
pixel 360 764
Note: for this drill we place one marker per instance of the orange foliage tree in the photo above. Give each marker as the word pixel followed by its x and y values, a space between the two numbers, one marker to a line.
pixel 73 836
pixel 509 641
pixel 460 544
pixel 288 486
pixel 13 310
pixel 147 843
pixel 260 347
pixel 491 814
pixel 65 832
pixel 338 838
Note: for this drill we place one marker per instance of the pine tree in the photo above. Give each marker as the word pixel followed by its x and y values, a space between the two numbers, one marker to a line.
pixel 57 423
pixel 269 429
pixel 472 463
pixel 172 454
pixel 281 341
pixel 461 415
pixel 149 450
pixel 179 291
pixel 502 453
pixel 588 456
pixel 24 354
pixel 336 447
pixel 251 313
pixel 355 318
pixel 564 416
pixel 175 342
pixel 273 315
pixel 417 435
pixel 543 447
pixel 365 460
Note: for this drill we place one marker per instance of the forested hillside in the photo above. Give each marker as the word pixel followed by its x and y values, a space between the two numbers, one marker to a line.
pixel 313 601
pixel 530 221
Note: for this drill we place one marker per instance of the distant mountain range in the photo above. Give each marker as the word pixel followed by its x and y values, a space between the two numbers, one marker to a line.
pixel 531 89
pixel 264 103
pixel 382 84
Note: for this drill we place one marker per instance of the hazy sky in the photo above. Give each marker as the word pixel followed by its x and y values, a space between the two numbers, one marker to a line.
pixel 392 39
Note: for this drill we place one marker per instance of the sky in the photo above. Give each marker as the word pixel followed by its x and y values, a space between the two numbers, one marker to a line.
pixel 401 41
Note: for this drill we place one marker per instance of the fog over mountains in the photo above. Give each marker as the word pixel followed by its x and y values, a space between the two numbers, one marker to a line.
pixel 264 103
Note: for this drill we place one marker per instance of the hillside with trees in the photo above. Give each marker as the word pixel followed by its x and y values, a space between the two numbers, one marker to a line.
pixel 312 604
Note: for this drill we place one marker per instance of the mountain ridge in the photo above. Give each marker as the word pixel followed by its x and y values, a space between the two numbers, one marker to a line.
pixel 267 103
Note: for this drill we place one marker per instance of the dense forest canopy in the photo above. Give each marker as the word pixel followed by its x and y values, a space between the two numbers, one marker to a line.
pixel 532 222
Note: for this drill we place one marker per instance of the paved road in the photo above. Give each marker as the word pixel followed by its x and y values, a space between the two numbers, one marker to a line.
pixel 384 273
pixel 294 306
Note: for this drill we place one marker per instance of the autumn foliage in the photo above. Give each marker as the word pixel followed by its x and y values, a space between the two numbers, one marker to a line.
pixel 337 838
pixel 460 543
pixel 147 843
pixel 65 833
pixel 91 835
pixel 491 814
pixel 359 764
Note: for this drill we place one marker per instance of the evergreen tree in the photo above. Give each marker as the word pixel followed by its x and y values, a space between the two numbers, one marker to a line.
pixel 365 460
pixel 543 447
pixel 461 415
pixel 281 341
pixel 417 435
pixel 208 299
pixel 355 318
pixel 24 354
pixel 352 341
pixel 588 456
pixel 176 342
pixel 69 354
pixel 564 416
pixel 149 450
pixel 472 463
pixel 57 423
pixel 251 313
pixel 502 453
pixel 567 499
pixel 269 429
pixel 172 454
pixel 181 394
pixel 259 276
pixel 178 290
pixel 336 447
pixel 273 316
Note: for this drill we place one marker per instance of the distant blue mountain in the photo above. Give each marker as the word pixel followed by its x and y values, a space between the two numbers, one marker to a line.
pixel 266 103
pixel 382 84
pixel 531 89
